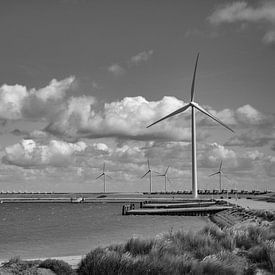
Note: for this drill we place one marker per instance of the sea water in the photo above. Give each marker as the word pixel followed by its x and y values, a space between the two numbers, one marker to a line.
pixel 38 230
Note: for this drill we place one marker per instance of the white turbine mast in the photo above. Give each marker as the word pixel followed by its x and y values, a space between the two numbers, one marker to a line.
pixel 220 173
pixel 104 175
pixel 193 106
pixel 149 171
pixel 165 175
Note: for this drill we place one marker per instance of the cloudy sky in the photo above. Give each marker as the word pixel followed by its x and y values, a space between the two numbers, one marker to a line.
pixel 80 80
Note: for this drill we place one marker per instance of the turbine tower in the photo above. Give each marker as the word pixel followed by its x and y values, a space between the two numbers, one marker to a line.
pixel 150 175
pixel 193 106
pixel 220 173
pixel 165 178
pixel 104 175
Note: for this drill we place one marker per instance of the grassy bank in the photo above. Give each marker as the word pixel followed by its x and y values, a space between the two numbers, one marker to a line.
pixel 237 250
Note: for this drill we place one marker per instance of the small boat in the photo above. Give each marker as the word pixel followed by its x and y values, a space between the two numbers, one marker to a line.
pixel 77 200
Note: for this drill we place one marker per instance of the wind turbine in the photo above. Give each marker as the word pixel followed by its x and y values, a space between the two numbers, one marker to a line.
pixel 165 178
pixel 104 175
pixel 220 173
pixel 193 106
pixel 150 175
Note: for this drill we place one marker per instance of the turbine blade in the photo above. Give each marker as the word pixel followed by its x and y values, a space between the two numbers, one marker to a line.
pixel 194 78
pixel 145 174
pixel 103 167
pixel 210 115
pixel 214 174
pixel 166 170
pixel 109 177
pixel 182 109
pixel 220 166
pixel 148 162
pixel 99 176
pixel 156 172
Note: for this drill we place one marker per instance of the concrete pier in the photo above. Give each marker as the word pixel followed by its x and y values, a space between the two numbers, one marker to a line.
pixel 177 205
pixel 189 211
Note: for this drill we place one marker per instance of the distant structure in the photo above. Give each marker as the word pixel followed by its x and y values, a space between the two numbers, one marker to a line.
pixel 165 175
pixel 104 175
pixel 149 171
pixel 220 173
pixel 193 106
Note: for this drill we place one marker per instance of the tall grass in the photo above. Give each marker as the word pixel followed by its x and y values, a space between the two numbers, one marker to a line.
pixel 59 267
pixel 16 266
pixel 239 250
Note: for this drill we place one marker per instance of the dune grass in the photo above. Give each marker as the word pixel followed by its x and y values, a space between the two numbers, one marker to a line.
pixel 237 250
pixel 264 214
pixel 59 267
pixel 17 266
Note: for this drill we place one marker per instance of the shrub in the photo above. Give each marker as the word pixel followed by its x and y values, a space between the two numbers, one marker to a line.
pixel 100 261
pixel 137 246
pixel 17 266
pixel 264 214
pixel 248 236
pixel 57 266
pixel 260 255
pixel 239 250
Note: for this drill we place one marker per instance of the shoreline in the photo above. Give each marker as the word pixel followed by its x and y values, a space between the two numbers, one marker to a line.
pixel 74 260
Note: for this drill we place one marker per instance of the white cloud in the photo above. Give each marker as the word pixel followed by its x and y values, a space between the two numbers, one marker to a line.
pixel 29 153
pixel 141 57
pixel 249 115
pixel 213 153
pixel 127 118
pixel 244 12
pixel 252 138
pixel 116 70
pixel 79 117
pixel 17 102
pixel 102 147
pixel 119 70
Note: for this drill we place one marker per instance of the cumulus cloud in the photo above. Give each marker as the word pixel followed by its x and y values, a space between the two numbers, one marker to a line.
pixel 244 12
pixel 141 57
pixel 213 153
pixel 30 154
pixel 17 102
pixel 116 69
pixel 244 116
pixel 252 138
pixel 127 118
pixel 136 60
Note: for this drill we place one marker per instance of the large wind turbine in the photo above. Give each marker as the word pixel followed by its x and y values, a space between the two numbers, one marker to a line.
pixel 220 173
pixel 193 106
pixel 165 178
pixel 104 175
pixel 150 175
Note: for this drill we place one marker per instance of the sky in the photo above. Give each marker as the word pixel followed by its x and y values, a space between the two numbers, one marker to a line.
pixel 80 80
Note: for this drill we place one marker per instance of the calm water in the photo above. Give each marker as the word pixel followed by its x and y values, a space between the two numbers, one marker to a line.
pixel 34 230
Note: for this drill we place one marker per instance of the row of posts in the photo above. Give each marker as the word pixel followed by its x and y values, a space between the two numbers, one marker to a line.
pixel 127 207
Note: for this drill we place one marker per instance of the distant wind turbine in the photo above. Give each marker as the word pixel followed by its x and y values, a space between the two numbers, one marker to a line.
pixel 165 178
pixel 220 173
pixel 150 175
pixel 193 106
pixel 104 175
